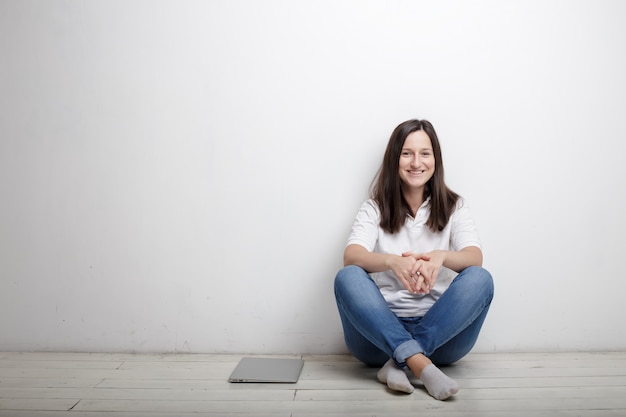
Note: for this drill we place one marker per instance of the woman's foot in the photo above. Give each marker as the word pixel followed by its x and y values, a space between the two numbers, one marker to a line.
pixel 438 384
pixel 395 378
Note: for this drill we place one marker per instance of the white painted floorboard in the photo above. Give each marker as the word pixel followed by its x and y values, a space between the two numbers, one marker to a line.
pixel 149 385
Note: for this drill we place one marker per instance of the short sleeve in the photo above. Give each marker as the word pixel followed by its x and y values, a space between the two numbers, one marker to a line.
pixel 365 227
pixel 463 230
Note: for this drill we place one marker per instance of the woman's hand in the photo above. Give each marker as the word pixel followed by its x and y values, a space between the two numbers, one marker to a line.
pixel 405 268
pixel 408 270
pixel 429 265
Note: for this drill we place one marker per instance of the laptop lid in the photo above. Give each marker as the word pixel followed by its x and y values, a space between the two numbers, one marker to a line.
pixel 267 370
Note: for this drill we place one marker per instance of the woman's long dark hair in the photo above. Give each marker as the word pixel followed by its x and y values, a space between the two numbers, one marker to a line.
pixel 386 189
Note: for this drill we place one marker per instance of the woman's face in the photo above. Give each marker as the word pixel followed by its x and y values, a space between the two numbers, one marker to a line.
pixel 417 161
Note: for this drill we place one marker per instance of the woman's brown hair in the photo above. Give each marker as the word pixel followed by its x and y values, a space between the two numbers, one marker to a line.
pixel 387 186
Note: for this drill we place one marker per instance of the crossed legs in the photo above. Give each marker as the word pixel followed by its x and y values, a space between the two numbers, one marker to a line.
pixel 376 336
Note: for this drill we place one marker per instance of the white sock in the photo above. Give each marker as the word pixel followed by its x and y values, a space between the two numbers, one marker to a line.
pixel 395 378
pixel 438 384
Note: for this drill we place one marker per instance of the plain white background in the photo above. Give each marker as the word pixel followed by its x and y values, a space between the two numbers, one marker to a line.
pixel 181 176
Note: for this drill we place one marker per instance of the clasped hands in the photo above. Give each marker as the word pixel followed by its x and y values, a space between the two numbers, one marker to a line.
pixel 417 271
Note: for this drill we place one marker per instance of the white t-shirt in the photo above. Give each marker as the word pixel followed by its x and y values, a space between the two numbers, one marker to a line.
pixel 414 236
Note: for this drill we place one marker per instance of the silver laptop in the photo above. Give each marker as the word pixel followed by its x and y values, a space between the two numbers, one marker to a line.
pixel 267 370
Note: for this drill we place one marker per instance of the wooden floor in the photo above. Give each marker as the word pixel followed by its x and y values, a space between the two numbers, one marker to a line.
pixel 147 385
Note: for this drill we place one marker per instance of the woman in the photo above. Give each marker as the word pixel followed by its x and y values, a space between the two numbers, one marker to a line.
pixel 412 293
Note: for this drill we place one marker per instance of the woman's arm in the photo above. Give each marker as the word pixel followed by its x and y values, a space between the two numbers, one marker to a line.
pixel 370 261
pixel 459 260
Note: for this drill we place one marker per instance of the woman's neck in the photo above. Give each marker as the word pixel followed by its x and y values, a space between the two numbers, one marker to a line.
pixel 414 198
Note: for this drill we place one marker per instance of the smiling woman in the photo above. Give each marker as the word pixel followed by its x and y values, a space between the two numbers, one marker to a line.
pixel 413 293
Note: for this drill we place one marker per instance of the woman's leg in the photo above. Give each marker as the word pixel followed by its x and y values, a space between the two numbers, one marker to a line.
pixel 373 333
pixel 449 330
pixel 460 345
pixel 364 311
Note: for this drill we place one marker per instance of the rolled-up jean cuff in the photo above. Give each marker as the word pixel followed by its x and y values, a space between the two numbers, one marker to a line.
pixel 405 351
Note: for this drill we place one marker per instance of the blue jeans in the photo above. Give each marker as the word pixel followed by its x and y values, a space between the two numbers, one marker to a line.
pixel 446 333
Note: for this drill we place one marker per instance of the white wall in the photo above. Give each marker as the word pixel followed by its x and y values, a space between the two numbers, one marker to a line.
pixel 182 175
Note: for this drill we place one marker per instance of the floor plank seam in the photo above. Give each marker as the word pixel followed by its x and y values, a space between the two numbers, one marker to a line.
pixel 72 407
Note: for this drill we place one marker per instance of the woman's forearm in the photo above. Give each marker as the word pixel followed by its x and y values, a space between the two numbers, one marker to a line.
pixel 459 260
pixel 370 261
